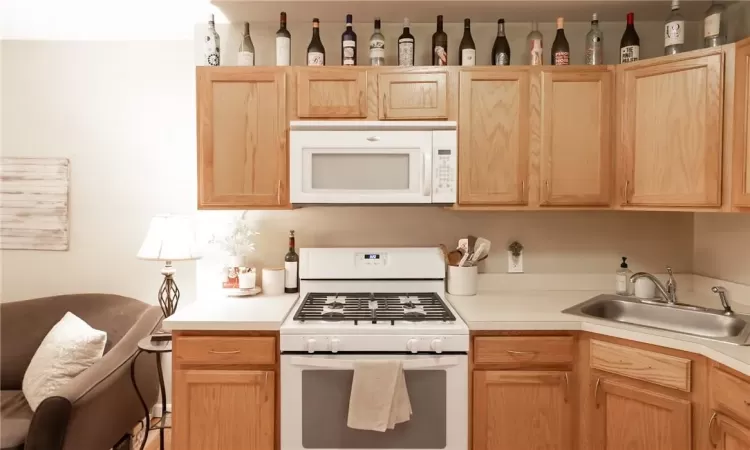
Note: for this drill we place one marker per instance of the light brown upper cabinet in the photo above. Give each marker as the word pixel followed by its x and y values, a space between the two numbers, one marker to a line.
pixel 741 141
pixel 493 136
pixel 242 139
pixel 331 93
pixel 575 159
pixel 669 142
pixel 414 94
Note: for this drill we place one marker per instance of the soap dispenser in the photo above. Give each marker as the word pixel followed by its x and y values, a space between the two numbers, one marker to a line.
pixel 622 278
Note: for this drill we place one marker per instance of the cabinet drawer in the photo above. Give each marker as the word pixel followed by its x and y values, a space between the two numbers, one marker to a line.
pixel 225 350
pixel 657 368
pixel 524 350
pixel 730 393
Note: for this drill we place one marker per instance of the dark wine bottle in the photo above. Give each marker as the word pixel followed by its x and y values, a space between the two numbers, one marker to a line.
pixel 467 51
pixel 291 266
pixel 316 53
pixel 630 44
pixel 406 46
pixel 439 45
pixel 283 43
pixel 501 48
pixel 560 49
pixel 349 44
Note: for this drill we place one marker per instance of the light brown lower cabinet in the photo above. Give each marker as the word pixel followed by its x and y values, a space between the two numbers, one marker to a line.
pixel 729 435
pixel 628 417
pixel 519 410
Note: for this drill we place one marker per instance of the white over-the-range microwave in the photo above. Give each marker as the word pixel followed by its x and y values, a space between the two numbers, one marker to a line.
pixel 366 162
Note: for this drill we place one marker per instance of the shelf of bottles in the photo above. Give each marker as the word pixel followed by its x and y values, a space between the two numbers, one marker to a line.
pixel 714 26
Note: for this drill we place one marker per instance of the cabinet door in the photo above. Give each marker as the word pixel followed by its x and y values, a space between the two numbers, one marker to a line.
pixel 626 417
pixel 331 93
pixel 223 409
pixel 576 159
pixel 671 131
pixel 421 94
pixel 521 411
pixel 242 139
pixel 493 137
pixel 741 144
pixel 730 434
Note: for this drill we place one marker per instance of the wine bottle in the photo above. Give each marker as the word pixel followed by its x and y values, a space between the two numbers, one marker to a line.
pixel 291 266
pixel 212 49
pixel 377 46
pixel 674 31
pixel 560 49
pixel 594 43
pixel 406 46
pixel 535 46
pixel 439 45
pixel 467 51
pixel 630 44
pixel 316 53
pixel 349 44
pixel 501 48
pixel 283 43
pixel 714 26
pixel 246 54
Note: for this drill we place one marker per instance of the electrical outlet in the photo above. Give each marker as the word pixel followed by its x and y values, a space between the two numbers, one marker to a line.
pixel 515 263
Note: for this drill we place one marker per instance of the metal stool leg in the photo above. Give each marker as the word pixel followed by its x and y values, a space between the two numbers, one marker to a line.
pixel 163 390
pixel 147 425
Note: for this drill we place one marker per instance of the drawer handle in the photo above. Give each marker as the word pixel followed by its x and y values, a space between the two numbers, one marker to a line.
pixel 596 392
pixel 227 352
pixel 710 429
pixel 373 138
pixel 516 353
pixel 747 403
pixel 567 387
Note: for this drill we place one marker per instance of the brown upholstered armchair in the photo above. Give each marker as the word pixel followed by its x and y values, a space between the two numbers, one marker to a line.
pixel 97 408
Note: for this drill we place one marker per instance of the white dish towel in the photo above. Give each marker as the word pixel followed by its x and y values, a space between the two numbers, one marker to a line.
pixel 379 399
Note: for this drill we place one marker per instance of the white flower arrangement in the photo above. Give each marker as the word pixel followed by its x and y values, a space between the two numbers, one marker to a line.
pixel 239 240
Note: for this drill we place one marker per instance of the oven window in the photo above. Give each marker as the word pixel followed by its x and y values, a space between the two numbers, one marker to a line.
pixel 360 172
pixel 325 408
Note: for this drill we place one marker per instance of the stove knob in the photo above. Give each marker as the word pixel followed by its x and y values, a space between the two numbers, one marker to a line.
pixel 311 345
pixel 411 345
pixel 335 345
pixel 437 345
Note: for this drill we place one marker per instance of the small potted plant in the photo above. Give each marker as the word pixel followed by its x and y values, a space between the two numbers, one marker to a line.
pixel 237 244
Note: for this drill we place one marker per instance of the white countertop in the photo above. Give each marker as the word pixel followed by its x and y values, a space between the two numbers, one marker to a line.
pixel 541 310
pixel 219 313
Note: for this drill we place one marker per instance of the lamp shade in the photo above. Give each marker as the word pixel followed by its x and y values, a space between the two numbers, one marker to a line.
pixel 169 238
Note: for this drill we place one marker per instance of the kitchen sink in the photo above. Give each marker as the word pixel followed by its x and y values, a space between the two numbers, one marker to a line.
pixel 686 319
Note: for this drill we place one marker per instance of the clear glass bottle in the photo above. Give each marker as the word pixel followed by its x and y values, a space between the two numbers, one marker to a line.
pixel 535 46
pixel 377 46
pixel 212 49
pixel 622 279
pixel 714 26
pixel 674 31
pixel 594 43
pixel 246 54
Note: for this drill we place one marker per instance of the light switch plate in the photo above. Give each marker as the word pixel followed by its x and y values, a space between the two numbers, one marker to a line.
pixel 515 264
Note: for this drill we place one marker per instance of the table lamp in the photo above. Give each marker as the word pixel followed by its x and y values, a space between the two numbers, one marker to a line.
pixel 169 238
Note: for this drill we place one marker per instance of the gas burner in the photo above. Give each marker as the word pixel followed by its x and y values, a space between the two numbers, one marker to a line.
pixel 414 313
pixel 333 311
pixel 409 302
pixel 336 302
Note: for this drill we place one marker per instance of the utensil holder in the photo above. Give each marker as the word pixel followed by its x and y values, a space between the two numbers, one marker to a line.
pixel 462 280
pixel 273 281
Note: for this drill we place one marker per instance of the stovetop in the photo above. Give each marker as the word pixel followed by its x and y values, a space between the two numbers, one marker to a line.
pixel 373 307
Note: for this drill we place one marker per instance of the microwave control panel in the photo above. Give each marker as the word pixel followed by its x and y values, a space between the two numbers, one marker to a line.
pixel 444 166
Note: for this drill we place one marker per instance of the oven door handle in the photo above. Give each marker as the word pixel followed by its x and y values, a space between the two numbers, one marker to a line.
pixel 348 364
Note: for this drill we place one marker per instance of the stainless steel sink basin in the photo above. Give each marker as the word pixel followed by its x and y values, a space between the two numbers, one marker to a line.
pixel 691 320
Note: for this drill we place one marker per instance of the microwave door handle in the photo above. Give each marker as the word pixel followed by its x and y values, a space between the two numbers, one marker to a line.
pixel 347 364
pixel 426 174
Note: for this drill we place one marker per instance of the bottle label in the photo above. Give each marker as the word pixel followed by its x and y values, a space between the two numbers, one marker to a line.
pixel 712 25
pixel 502 59
pixel 245 59
pixel 283 53
pixel 348 47
pixel 562 58
pixel 406 52
pixel 674 33
pixel 535 52
pixel 212 51
pixel 377 49
pixel 441 56
pixel 621 286
pixel 630 53
pixel 468 57
pixel 315 58
pixel 290 275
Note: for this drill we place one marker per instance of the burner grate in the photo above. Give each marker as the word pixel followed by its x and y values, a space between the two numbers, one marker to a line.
pixel 373 307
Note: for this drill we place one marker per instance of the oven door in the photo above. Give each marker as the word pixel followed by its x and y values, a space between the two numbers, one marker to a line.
pixel 361 166
pixel 315 393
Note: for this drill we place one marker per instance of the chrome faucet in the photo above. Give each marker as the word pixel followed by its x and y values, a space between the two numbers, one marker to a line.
pixel 723 297
pixel 668 291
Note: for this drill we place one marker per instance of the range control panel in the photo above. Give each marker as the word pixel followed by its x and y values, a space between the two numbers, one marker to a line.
pixel 373 259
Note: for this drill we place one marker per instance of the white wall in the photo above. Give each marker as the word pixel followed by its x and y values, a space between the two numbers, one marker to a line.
pixel 721 246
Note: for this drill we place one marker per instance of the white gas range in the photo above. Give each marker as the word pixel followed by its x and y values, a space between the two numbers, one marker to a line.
pixel 364 303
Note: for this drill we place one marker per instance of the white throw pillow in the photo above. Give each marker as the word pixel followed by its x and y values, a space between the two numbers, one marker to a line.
pixel 70 347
